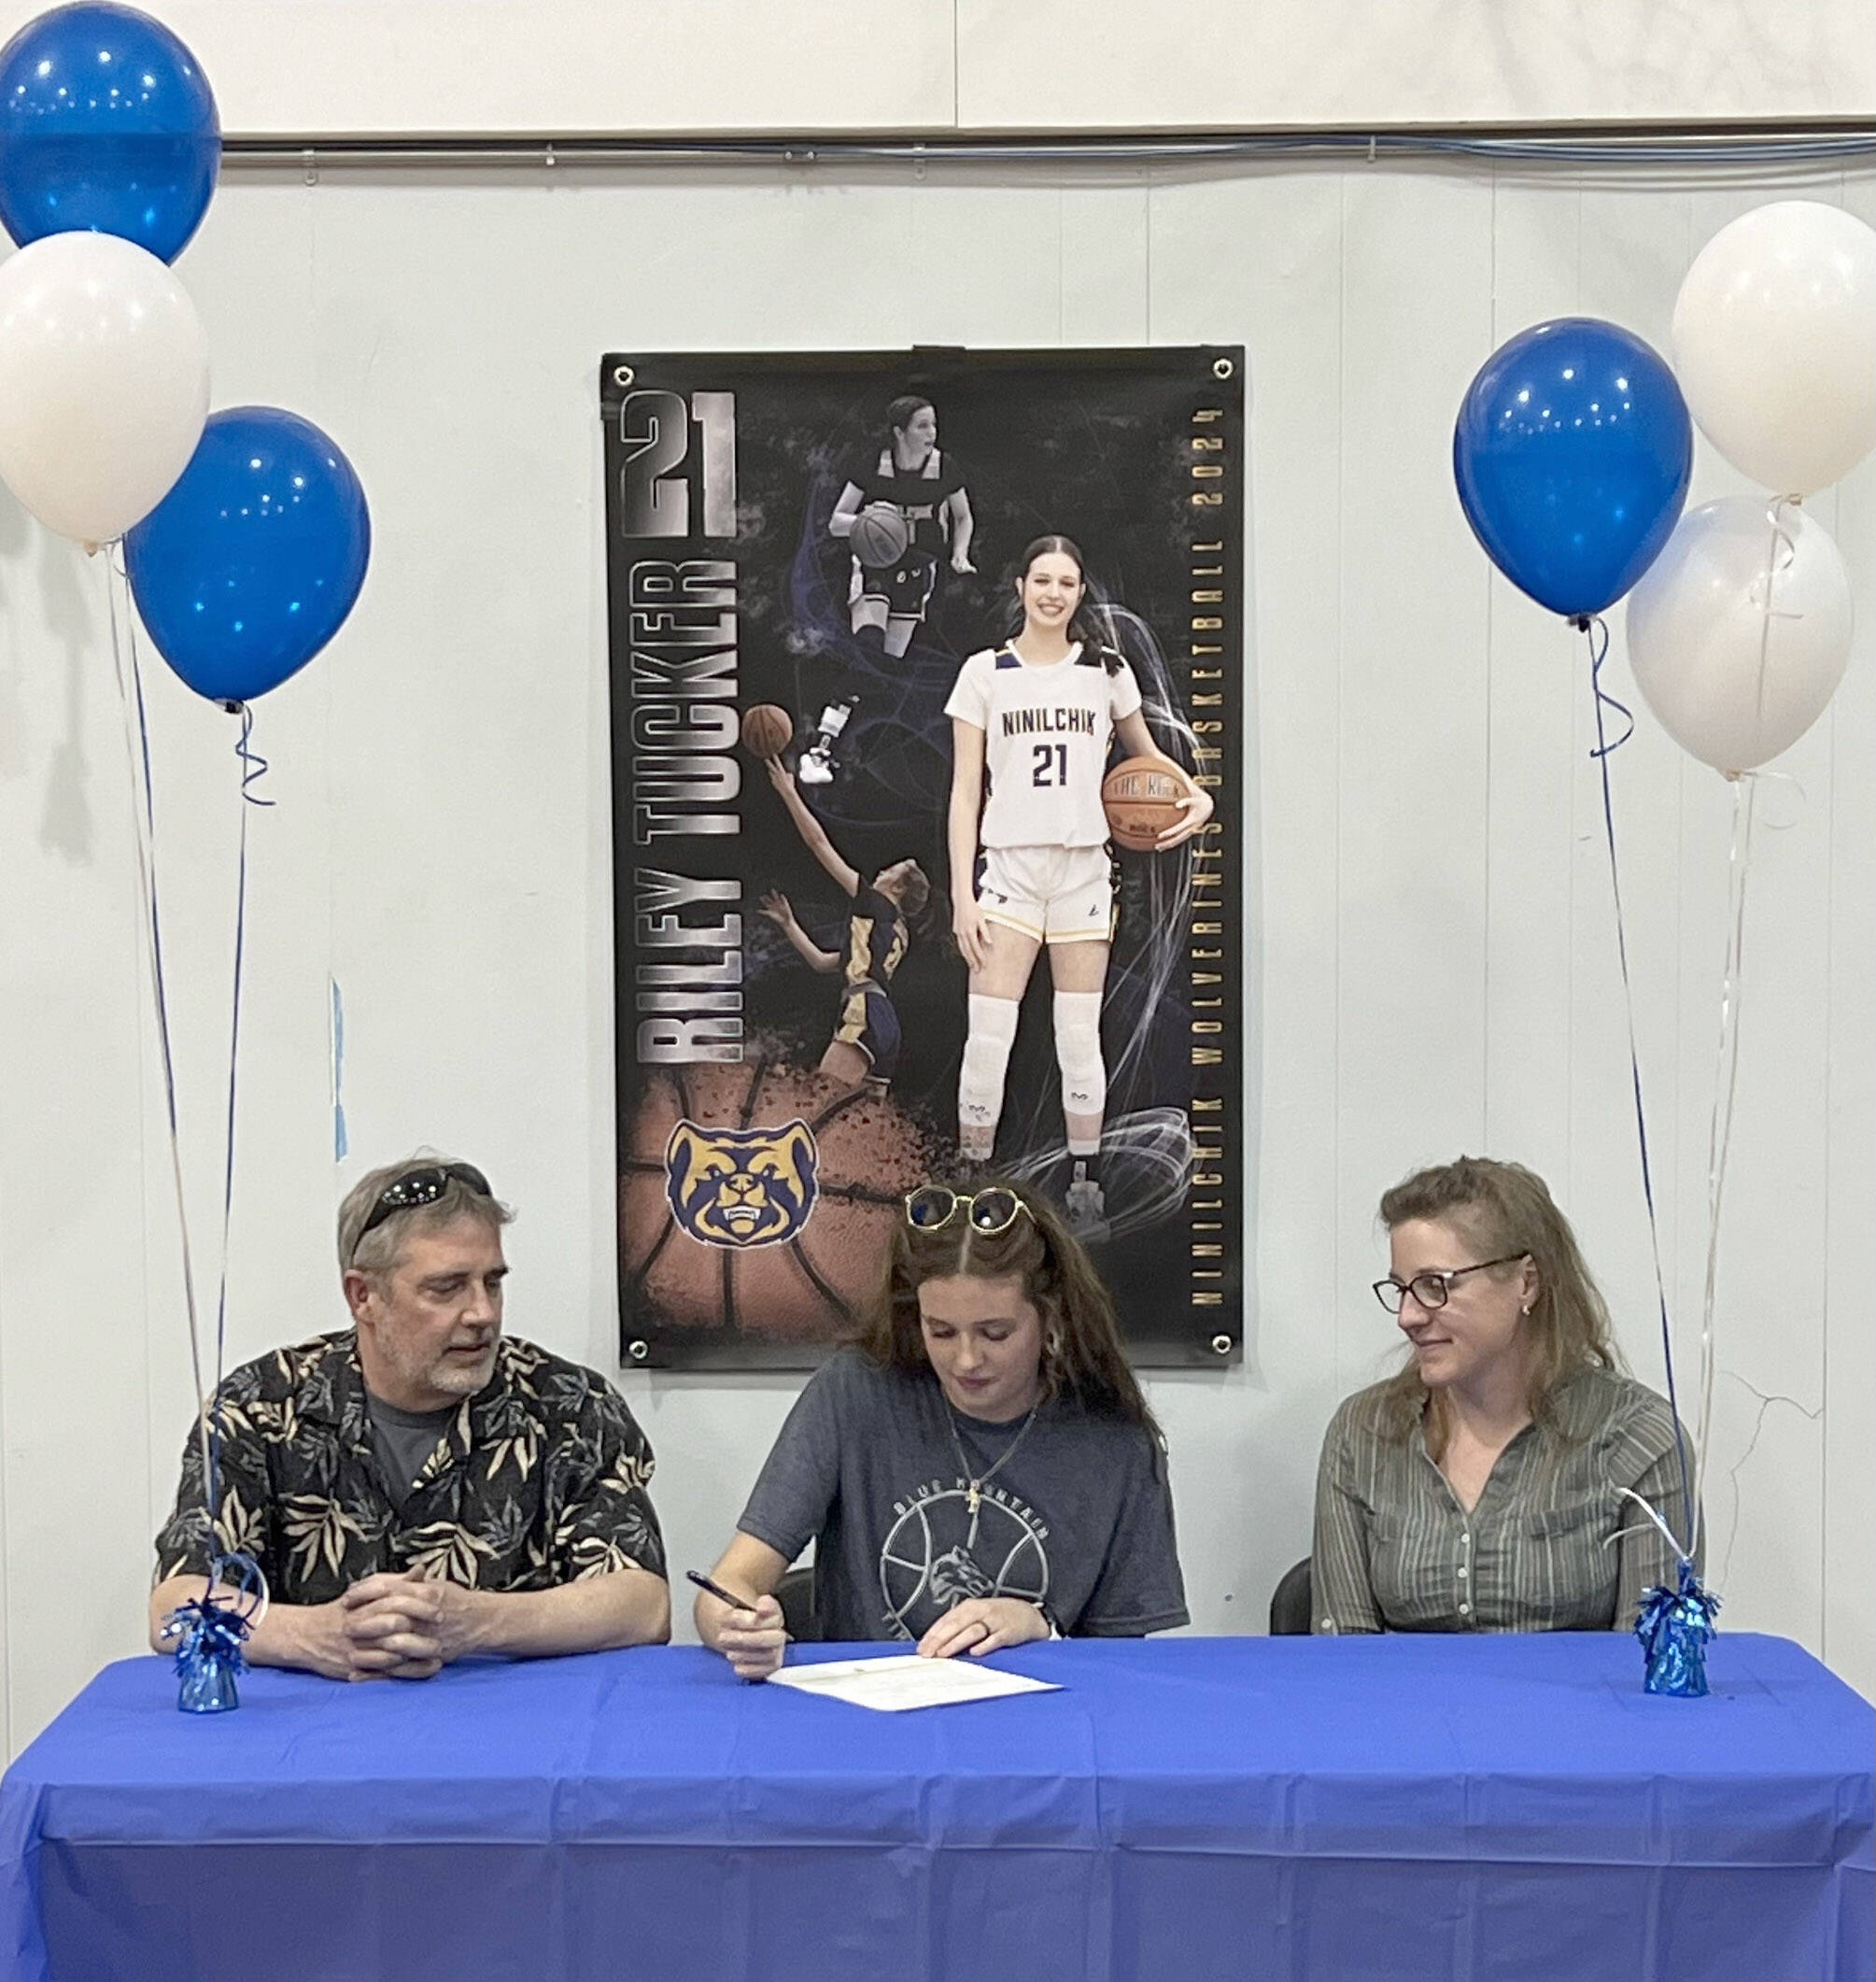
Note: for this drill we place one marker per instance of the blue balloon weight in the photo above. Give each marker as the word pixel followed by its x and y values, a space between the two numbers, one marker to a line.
pixel 1572 453
pixel 108 126
pixel 248 566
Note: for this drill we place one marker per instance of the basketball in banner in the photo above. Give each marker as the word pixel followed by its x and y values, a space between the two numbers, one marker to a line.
pixel 928 829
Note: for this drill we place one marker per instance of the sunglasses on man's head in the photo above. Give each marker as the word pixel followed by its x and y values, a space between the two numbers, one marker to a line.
pixel 933 1205
pixel 421 1186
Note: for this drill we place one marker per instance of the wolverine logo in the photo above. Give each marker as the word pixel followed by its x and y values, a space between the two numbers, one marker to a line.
pixel 740 1187
pixel 956 1577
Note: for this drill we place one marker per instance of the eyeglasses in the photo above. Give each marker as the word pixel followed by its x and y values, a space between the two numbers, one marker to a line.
pixel 418 1188
pixel 990 1212
pixel 1430 1289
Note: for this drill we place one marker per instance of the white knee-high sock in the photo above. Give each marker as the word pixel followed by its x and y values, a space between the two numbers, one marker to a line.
pixel 1084 1072
pixel 986 1060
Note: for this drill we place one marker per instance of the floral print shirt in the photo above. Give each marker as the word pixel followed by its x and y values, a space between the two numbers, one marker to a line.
pixel 539 1480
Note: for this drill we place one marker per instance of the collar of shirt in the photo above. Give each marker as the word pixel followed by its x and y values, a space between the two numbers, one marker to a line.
pixel 334 1393
pixel 1501 1484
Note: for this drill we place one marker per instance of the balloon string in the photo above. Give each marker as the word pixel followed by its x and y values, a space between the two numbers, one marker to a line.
pixel 1774 515
pixel 1597 655
pixel 1598 635
pixel 253 767
pixel 143 810
pixel 1725 1090
pixel 1655 1520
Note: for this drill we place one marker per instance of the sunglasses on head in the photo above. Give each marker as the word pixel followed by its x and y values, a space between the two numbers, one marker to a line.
pixel 933 1205
pixel 416 1187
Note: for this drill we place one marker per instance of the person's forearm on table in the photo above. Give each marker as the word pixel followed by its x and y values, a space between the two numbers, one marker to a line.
pixel 625 1606
pixel 306 1638
pixel 599 1613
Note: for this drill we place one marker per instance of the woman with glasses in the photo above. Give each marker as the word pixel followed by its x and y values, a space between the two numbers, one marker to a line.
pixel 977 1469
pixel 1482 1487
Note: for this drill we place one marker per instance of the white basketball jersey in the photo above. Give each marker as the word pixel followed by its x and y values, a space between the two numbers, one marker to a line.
pixel 1046 737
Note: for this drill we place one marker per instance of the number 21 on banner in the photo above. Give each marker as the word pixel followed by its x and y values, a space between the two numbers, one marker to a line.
pixel 655 428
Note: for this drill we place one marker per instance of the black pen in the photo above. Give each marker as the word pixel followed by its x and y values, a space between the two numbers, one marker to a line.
pixel 722 1596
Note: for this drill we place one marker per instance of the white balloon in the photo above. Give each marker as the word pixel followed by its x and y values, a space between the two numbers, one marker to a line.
pixel 1775 344
pixel 103 382
pixel 1739 630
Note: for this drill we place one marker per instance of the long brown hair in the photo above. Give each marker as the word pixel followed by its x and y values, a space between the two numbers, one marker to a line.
pixel 1504 1208
pixel 1085 623
pixel 1082 1358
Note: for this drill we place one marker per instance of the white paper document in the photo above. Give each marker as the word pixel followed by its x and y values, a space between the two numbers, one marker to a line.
pixel 901 1680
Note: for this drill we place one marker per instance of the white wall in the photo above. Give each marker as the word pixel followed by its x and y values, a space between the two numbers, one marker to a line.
pixel 1437 951
pixel 296 66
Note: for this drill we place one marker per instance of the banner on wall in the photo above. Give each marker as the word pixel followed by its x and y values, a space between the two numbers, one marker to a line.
pixel 803 550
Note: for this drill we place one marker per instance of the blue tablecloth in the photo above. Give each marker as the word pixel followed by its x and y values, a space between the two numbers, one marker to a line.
pixel 1478 1808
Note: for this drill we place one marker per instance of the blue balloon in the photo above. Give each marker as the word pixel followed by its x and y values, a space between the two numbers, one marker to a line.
pixel 1572 453
pixel 108 126
pixel 248 566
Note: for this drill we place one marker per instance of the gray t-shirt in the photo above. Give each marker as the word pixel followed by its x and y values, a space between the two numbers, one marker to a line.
pixel 1079 1518
pixel 403 1440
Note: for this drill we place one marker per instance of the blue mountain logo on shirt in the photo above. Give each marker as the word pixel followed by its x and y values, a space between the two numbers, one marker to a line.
pixel 742 1186
pixel 940 1550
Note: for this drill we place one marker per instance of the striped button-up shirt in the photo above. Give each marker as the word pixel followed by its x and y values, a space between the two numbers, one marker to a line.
pixel 1395 1549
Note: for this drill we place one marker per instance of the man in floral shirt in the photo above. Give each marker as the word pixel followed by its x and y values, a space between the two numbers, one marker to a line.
pixel 416 1488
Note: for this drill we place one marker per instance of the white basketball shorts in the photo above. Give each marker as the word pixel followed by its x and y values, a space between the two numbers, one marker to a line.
pixel 1057 894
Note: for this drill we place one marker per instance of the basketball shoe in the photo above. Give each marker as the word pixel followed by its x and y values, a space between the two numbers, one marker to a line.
pixel 1086 1210
pixel 817 765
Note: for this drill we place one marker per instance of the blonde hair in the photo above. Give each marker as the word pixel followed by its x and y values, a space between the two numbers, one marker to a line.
pixel 1503 1209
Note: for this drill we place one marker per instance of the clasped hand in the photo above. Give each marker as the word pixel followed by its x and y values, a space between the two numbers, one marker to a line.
pixel 393 1626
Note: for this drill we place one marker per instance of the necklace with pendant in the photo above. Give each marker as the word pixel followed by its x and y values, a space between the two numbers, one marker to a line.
pixel 975 1482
